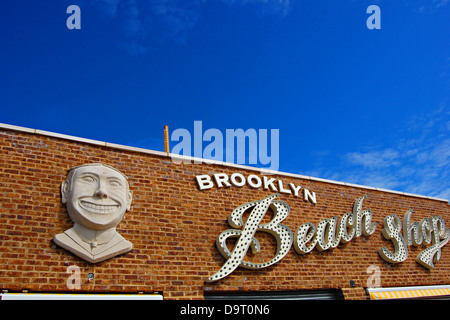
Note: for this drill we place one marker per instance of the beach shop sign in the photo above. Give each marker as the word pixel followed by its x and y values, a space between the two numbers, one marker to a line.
pixel 328 233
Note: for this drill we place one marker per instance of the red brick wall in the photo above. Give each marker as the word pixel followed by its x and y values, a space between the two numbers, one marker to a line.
pixel 173 227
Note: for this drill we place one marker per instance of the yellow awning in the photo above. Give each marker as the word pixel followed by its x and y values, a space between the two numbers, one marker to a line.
pixel 408 292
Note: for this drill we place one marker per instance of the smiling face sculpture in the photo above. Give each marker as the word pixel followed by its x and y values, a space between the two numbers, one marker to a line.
pixel 97 197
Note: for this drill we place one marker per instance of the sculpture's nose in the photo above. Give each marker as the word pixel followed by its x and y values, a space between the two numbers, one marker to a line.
pixel 101 191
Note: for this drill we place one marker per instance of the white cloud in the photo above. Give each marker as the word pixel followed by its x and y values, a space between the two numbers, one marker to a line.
pixel 265 6
pixel 418 163
pixel 426 6
pixel 374 159
pixel 441 153
pixel 107 7
pixel 148 23
pixel 440 3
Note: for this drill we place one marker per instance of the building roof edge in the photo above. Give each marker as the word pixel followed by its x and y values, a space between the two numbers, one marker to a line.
pixel 205 161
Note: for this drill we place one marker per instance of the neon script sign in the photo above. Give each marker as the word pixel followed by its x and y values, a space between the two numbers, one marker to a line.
pixel 328 234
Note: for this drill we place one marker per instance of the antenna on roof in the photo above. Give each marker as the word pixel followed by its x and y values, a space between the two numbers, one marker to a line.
pixel 166 139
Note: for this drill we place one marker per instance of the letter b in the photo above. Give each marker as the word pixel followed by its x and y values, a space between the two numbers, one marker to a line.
pixel 204 182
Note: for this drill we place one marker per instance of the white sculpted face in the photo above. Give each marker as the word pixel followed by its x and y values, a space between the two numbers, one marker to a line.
pixel 96 196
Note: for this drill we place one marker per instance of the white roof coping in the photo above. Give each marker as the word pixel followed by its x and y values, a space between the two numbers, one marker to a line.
pixel 16 128
pixel 182 158
pixel 67 137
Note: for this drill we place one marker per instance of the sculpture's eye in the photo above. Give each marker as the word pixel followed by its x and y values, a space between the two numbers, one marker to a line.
pixel 88 178
pixel 115 183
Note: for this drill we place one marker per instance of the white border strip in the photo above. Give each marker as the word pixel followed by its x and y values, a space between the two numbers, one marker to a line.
pixel 71 296
pixel 205 161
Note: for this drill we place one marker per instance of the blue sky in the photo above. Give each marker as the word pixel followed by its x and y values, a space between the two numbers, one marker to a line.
pixel 364 106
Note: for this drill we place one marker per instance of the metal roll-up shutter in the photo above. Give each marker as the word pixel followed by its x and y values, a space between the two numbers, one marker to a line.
pixel 333 294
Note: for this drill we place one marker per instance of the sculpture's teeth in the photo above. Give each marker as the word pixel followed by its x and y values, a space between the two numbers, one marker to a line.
pixel 98 208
